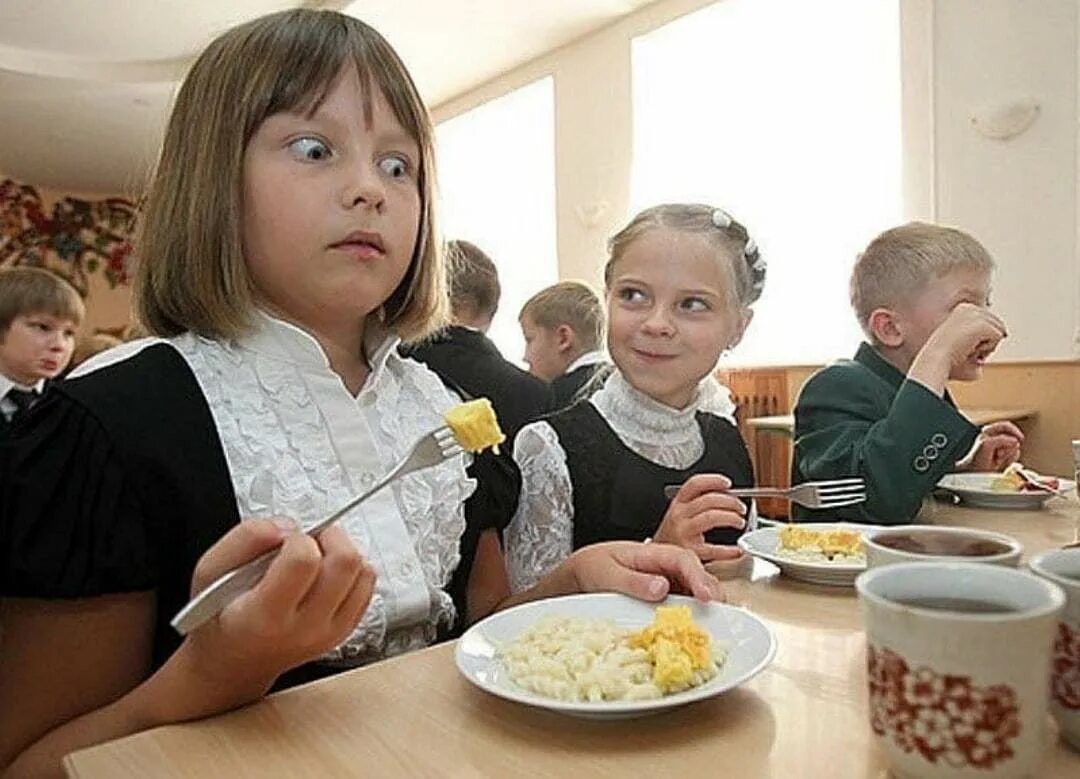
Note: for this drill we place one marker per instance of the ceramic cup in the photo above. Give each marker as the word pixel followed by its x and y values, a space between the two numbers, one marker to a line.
pixel 958 656
pixel 1062 566
pixel 938 543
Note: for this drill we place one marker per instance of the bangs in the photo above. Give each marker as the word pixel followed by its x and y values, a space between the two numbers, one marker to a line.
pixel 57 302
pixel 26 291
pixel 302 63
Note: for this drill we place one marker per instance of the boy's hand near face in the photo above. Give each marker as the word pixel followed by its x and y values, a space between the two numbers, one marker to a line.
pixel 967 337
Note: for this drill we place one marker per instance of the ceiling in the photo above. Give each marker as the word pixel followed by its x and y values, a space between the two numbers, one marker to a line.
pixel 85 85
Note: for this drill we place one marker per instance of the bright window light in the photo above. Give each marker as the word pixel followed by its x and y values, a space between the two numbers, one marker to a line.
pixel 789 118
pixel 497 180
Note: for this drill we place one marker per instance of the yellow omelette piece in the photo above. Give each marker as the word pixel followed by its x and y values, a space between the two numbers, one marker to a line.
pixel 1009 481
pixel 676 646
pixel 474 425
pixel 828 542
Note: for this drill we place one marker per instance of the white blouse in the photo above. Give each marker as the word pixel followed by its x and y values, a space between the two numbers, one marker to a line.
pixel 541 534
pixel 299 444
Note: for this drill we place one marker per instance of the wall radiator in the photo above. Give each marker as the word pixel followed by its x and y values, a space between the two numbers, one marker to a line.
pixel 763 392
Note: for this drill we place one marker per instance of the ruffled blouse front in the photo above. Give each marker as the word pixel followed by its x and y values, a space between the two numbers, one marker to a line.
pixel 299 444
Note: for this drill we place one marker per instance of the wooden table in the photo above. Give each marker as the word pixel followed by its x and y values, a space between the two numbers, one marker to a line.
pixel 805 716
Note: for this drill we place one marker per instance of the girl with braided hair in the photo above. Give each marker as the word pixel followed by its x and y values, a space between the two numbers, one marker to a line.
pixel 680 281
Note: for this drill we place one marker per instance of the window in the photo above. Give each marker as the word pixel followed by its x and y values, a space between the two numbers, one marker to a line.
pixel 497 181
pixel 790 120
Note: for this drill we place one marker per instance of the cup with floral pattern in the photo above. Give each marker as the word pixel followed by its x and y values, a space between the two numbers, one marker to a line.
pixel 1062 566
pixel 958 658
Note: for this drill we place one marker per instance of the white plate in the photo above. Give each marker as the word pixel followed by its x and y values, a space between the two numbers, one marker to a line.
pixel 765 542
pixel 750 643
pixel 974 489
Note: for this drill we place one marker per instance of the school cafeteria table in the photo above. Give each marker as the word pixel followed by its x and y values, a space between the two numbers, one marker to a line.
pixel 804 716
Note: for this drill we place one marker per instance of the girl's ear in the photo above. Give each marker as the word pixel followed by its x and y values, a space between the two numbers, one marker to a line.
pixel 564 338
pixel 745 316
pixel 887 327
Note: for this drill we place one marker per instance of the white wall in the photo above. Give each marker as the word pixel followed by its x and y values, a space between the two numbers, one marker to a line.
pixel 593 140
pixel 1019 196
pixel 959 56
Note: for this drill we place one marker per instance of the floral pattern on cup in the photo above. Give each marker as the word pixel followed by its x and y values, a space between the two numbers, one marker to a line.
pixel 1066 665
pixel 944 717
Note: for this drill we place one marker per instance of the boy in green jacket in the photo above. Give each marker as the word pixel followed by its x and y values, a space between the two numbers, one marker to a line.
pixel 922 295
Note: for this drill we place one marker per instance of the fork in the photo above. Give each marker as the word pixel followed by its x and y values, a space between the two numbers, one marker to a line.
pixel 812 494
pixel 1031 478
pixel 432 449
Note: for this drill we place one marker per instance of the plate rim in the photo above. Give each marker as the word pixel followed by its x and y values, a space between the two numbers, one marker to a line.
pixel 1003 499
pixel 617 708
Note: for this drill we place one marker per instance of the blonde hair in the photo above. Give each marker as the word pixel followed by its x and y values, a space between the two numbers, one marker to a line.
pixel 899 263
pixel 473 279
pixel 190 269
pixel 744 263
pixel 27 291
pixel 572 303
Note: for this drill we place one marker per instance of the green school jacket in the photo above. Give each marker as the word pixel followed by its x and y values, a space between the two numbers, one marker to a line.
pixel 862 417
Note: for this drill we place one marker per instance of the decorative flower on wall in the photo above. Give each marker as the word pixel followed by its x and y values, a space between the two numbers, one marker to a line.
pixel 78 239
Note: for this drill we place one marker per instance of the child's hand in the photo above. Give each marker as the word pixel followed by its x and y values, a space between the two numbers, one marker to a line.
pixel 701 505
pixel 969 332
pixel 997 448
pixel 645 571
pixel 968 335
pixel 309 601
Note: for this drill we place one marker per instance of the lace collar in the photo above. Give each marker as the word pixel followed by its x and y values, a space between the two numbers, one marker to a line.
pixel 638 419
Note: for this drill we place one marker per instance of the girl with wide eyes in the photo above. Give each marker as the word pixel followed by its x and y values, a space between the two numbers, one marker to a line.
pixel 286 248
pixel 680 281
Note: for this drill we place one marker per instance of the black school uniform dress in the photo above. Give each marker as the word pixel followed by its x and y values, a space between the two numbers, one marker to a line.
pixel 127 472
pixel 597 471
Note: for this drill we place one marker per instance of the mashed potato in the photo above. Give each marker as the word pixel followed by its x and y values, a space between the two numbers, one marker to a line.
pixel 573 659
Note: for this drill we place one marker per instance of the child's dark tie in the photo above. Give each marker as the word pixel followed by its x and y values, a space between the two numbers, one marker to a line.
pixel 22 400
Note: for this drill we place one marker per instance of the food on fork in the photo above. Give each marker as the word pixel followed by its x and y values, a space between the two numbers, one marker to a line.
pixel 812 544
pixel 593 660
pixel 474 425
pixel 1012 480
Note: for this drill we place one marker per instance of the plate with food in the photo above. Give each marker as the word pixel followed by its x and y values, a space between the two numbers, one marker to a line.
pixel 818 552
pixel 609 656
pixel 1016 488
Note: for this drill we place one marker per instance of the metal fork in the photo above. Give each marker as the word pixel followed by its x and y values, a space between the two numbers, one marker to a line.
pixel 432 449
pixel 813 494
pixel 1033 479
